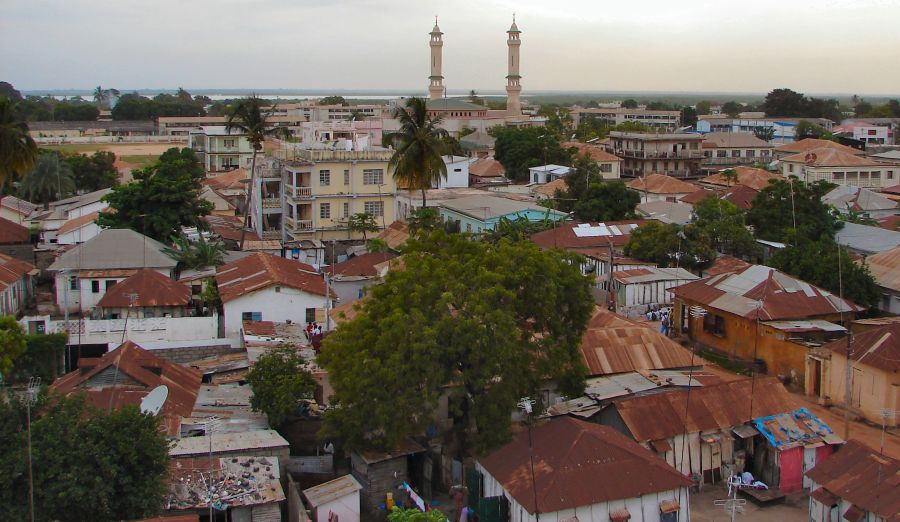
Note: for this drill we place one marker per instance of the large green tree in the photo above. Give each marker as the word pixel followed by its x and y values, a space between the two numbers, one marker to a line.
pixel 362 222
pixel 818 262
pixel 487 323
pixel 280 379
pixel 68 111
pixel 87 464
pixel 162 198
pixel 12 344
pixel 670 245
pixel 722 225
pixel 196 255
pixel 776 209
pixel 49 180
pixel 607 200
pixel 251 117
pixel 18 150
pixel 520 149
pixel 418 145
pixel 93 172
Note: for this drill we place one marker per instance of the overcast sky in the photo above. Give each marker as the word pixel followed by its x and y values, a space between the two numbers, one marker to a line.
pixel 814 46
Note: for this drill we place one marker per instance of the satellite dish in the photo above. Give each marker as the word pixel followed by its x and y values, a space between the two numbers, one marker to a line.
pixel 153 401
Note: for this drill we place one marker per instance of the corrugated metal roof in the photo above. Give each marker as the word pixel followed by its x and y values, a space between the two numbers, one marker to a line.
pixel 651 274
pixel 858 474
pixel 259 271
pixel 798 428
pixel 11 232
pixel 885 268
pixel 612 344
pixel 572 236
pixel 764 291
pixel 144 372
pixel 115 248
pixel 236 482
pixel 713 407
pixel 331 490
pixel 576 464
pixel 228 443
pixel 811 325
pixel 867 239
pixel 878 347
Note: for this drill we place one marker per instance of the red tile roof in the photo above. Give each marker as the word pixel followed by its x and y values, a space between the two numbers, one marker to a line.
pixel 878 347
pixel 699 195
pixel 613 344
pixel 890 223
pixel 661 184
pixel 711 407
pixel 361 265
pixel 78 222
pixel 752 177
pixel 139 372
pixel 763 291
pixel 831 157
pixel 565 236
pixel 486 168
pixel 11 232
pixel 229 227
pixel 577 464
pixel 892 190
pixel 594 152
pixel 862 477
pixel 151 288
pixel 259 271
pixel 808 144
pixel 741 195
pixel 395 235
pixel 724 264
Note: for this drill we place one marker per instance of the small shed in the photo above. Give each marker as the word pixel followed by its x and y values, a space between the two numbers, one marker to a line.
pixel 793 443
pixel 381 472
pixel 335 501
pixel 640 288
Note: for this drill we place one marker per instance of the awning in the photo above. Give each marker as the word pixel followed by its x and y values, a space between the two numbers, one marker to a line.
pixel 853 514
pixel 745 431
pixel 669 506
pixel 660 446
pixel 825 497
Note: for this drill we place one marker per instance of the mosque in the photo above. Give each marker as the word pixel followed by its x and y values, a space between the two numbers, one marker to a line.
pixel 458 114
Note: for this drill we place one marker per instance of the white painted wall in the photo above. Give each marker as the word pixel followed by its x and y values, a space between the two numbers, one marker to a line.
pixel 79 235
pixel 457 173
pixel 286 304
pixel 83 298
pixel 346 508
pixel 109 331
pixel 642 509
pixel 12 298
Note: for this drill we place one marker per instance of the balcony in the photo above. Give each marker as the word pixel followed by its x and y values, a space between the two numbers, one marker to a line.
pixel 637 173
pixel 271 234
pixel 266 173
pixel 271 203
pixel 298 192
pixel 642 154
pixel 302 225
pixel 743 160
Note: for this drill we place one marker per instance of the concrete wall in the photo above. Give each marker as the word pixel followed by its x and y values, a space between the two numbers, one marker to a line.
pixel 345 507
pixel 84 299
pixel 79 235
pixel 872 389
pixel 281 306
pixel 139 330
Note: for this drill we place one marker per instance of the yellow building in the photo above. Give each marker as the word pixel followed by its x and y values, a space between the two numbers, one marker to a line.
pixel 874 373
pixel 324 187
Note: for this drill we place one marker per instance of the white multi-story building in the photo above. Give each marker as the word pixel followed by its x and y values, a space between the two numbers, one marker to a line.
pixel 218 149
pixel 784 129
pixel 663 120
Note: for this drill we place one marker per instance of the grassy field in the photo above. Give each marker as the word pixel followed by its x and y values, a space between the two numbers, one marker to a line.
pixel 139 161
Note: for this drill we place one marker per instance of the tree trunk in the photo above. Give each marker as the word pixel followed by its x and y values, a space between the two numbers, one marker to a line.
pixel 250 190
pixel 424 201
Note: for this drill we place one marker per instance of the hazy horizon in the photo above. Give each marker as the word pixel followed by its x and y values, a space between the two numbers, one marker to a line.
pixel 644 46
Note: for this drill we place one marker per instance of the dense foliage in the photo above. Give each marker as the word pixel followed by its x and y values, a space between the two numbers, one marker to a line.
pixel 18 150
pixel 776 208
pixel 670 245
pixel 280 380
pixel 12 345
pixel 163 198
pixel 87 464
pixel 499 333
pixel 590 198
pixel 50 179
pixel 93 172
pixel 722 226
pixel 788 103
pixel 520 149
pixel 134 106
pixel 418 145
pixel 42 358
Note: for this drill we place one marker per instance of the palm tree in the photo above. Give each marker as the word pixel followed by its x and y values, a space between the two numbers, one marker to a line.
pixel 100 96
pixel 49 180
pixel 249 117
pixel 417 161
pixel 17 149
pixel 194 256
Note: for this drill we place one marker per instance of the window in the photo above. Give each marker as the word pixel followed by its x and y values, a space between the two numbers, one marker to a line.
pixel 721 154
pixel 196 289
pixel 736 153
pixel 346 176
pixel 95 287
pixel 374 208
pixel 110 283
pixel 229 143
pixel 73 283
pixel 325 210
pixel 310 315
pixel 764 153
pixel 714 324
pixel 346 212
pixel 890 174
pixel 373 177
pixel 790 168
pixel 469 228
pixel 750 154
pixel 324 178
pixel 606 167
pixel 251 316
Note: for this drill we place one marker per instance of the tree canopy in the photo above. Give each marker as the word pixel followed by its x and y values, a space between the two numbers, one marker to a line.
pixel 93 172
pixel 816 261
pixel 18 150
pixel 670 245
pixel 486 322
pixel 280 380
pixel 163 198
pixel 520 149
pixel 12 344
pixel 722 225
pixel 775 208
pixel 788 103
pixel 418 145
pixel 49 180
pixel 133 106
pixel 333 100
pixel 118 470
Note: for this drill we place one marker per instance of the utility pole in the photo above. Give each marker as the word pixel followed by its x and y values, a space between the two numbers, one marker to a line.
pixel 527 405
pixel 29 399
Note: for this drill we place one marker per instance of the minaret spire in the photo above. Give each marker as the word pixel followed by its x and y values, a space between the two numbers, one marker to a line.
pixel 436 80
pixel 513 87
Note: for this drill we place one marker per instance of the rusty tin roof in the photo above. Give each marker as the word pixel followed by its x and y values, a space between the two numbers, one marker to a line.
pixel 863 477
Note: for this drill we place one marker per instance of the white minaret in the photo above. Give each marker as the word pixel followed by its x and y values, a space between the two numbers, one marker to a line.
pixel 513 87
pixel 436 87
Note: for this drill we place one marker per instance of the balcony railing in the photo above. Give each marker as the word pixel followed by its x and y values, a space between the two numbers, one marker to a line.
pixel 643 154
pixel 743 160
pixel 300 224
pixel 271 234
pixel 266 173
pixel 271 202
pixel 298 192
pixel 636 173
